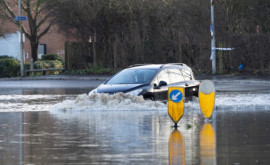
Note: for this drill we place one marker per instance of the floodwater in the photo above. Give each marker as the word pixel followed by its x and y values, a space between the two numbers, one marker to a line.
pixel 63 125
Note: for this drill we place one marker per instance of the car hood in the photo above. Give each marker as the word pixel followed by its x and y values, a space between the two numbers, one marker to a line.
pixel 114 88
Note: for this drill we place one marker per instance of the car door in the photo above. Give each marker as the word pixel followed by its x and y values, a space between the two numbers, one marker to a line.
pixel 176 76
pixel 160 91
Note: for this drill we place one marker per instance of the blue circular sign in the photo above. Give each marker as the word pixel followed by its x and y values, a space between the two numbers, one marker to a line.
pixel 176 96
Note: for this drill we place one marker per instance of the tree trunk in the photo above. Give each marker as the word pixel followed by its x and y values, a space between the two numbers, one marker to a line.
pixel 94 53
pixel 34 50
pixel 180 57
pixel 220 60
pixel 115 51
pixel 34 46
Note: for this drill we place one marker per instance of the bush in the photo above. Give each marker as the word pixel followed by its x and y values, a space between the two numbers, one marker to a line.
pixel 44 64
pixel 92 70
pixel 27 66
pixel 9 67
pixel 5 56
pixel 53 57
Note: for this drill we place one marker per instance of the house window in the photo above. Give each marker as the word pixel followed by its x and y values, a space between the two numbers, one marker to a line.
pixel 41 50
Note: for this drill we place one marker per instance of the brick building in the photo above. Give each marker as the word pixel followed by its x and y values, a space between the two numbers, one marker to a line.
pixel 51 43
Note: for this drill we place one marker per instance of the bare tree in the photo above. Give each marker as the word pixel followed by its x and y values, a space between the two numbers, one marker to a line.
pixel 38 17
pixel 160 31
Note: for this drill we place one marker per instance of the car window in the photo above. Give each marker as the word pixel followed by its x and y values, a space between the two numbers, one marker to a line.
pixel 162 76
pixel 187 75
pixel 176 76
pixel 133 76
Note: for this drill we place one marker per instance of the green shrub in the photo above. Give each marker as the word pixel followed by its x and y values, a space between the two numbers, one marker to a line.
pixel 92 70
pixel 9 67
pixel 53 57
pixel 99 70
pixel 4 56
pixel 26 66
pixel 44 64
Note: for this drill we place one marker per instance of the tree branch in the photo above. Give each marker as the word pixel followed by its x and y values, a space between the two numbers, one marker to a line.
pixel 43 20
pixel 45 31
pixel 10 13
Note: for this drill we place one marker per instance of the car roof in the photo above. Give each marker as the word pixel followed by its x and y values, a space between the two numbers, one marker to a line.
pixel 159 66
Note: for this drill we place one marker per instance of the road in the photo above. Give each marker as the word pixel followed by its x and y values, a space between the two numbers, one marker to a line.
pixel 41 124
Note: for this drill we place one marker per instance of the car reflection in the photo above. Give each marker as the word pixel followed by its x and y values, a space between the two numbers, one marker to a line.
pixel 207 145
pixel 176 148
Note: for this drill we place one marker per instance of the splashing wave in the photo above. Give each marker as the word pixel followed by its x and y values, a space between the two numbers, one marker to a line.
pixel 118 101
pixel 121 101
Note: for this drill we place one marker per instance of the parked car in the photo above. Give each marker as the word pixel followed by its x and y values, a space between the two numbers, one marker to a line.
pixel 151 81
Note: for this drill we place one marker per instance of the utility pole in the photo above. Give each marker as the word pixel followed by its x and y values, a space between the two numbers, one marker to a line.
pixel 213 40
pixel 21 41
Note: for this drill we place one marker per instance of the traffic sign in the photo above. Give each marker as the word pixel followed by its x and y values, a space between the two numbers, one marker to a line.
pixel 20 18
pixel 176 103
pixel 176 95
pixel 207 98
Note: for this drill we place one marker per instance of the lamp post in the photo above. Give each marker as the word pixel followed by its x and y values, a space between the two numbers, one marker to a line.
pixel 21 41
pixel 213 40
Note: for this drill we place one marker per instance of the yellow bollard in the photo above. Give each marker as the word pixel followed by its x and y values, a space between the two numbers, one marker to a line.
pixel 207 98
pixel 177 148
pixel 176 103
pixel 207 144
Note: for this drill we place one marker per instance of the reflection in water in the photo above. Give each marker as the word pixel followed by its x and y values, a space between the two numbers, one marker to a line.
pixel 176 148
pixel 243 138
pixel 133 137
pixel 84 138
pixel 207 145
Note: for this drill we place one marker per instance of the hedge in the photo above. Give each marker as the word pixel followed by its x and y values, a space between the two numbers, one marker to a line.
pixel 44 64
pixel 9 67
pixel 53 57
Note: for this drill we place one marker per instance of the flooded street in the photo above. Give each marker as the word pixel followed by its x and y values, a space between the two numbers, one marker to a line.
pixel 58 123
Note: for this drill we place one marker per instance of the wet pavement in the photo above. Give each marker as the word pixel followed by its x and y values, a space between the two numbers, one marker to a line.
pixel 47 123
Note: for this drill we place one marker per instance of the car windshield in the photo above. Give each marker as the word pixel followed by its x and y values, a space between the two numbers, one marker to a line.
pixel 133 76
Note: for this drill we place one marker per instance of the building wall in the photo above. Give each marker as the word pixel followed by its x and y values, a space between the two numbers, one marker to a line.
pixel 10 45
pixel 54 39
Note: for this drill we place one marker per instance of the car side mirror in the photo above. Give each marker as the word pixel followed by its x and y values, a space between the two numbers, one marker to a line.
pixel 162 83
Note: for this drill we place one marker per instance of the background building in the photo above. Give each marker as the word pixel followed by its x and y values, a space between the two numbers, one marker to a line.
pixel 52 43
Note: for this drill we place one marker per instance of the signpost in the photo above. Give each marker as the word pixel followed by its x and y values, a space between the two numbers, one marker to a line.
pixel 20 18
pixel 213 39
pixel 207 98
pixel 176 103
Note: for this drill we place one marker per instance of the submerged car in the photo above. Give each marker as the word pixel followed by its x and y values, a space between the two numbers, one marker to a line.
pixel 151 81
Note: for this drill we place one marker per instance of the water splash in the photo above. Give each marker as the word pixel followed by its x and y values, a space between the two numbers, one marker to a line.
pixel 121 101
pixel 243 101
pixel 118 101
pixel 24 103
pixel 230 101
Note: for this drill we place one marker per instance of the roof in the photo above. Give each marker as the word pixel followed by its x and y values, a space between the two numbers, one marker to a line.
pixel 157 66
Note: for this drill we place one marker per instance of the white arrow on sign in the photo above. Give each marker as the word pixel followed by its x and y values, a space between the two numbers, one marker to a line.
pixel 174 97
